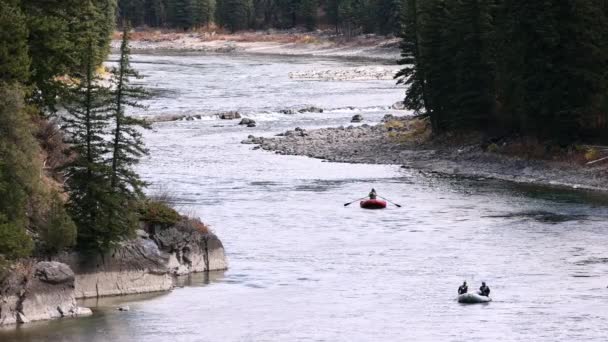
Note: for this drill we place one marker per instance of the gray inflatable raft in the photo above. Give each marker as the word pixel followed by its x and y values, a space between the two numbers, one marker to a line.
pixel 473 298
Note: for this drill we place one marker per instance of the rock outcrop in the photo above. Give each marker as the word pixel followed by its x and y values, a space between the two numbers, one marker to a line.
pixel 191 251
pixel 38 291
pixel 137 266
pixel 148 262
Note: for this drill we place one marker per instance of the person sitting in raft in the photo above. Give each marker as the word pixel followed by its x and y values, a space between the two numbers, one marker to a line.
pixel 373 194
pixel 484 290
pixel 463 288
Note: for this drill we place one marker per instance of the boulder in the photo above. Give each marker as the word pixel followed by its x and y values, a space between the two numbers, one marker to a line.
pixel 357 118
pixel 54 272
pixel 251 124
pixel 37 291
pixel 246 121
pixel 399 105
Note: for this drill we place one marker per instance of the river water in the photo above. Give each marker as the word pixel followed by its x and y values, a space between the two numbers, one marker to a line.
pixel 305 268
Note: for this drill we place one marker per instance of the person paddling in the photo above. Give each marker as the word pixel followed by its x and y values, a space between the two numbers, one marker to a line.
pixel 373 194
pixel 463 288
pixel 484 290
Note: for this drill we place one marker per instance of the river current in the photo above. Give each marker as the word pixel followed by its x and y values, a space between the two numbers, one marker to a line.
pixel 305 268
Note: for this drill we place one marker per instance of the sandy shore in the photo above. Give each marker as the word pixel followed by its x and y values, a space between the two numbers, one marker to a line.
pixel 375 145
pixel 320 44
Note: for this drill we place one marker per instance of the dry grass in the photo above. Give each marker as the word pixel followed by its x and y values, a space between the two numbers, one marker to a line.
pixel 207 35
pixel 533 149
pixel 194 224
pixel 411 130
pixel 51 140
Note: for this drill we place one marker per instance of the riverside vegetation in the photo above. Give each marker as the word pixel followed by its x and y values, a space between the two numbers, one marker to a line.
pixel 68 188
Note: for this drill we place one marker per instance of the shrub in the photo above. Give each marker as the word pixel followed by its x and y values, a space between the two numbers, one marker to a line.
pixel 493 148
pixel 158 213
pixel 14 241
pixel 592 154
pixel 57 230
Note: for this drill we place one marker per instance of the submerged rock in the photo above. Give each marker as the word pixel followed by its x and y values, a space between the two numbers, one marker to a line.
pixel 357 118
pixel 230 115
pixel 311 109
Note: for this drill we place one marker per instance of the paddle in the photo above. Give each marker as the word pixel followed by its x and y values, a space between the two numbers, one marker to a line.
pixel 389 201
pixel 360 199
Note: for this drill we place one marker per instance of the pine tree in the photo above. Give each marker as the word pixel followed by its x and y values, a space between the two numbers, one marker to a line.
pixel 412 75
pixel 19 172
pixel 203 11
pixel 551 75
pixel 332 10
pixel 14 58
pixel 308 12
pixel 471 25
pixel 233 14
pixel 127 146
pixel 87 174
pixel 388 16
pixel 182 13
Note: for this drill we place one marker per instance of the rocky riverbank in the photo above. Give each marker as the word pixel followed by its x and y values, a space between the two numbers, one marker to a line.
pixel 403 142
pixel 271 42
pixel 46 290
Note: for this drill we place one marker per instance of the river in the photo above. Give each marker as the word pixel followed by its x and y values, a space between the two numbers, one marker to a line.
pixel 305 268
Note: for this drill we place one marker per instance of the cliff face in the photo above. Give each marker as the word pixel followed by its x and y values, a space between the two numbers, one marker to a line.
pixel 138 266
pixel 46 290
pixel 38 291
pixel 147 263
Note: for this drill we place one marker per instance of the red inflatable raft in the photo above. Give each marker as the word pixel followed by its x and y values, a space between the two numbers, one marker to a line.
pixel 373 204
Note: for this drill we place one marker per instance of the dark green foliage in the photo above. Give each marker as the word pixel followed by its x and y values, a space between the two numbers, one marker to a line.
pixel 308 11
pixel 182 13
pixel 127 146
pixel 57 231
pixel 88 182
pixel 535 68
pixel 412 75
pixel 14 241
pixel 14 58
pixel 202 12
pixel 347 16
pixel 555 85
pixel 55 40
pixel 19 172
pixel 233 14
pixel 388 16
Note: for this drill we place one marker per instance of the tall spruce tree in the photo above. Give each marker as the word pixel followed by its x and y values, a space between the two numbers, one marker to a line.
pixel 182 13
pixel 87 175
pixel 308 12
pixel 233 14
pixel 203 12
pixel 412 75
pixel 127 146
